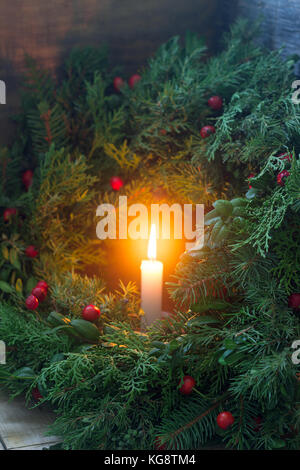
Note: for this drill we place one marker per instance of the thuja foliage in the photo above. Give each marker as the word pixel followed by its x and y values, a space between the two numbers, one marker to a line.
pixel 111 385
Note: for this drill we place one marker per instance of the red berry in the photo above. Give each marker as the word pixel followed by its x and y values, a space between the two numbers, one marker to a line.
pixel 40 293
pixel 118 83
pixel 8 213
pixel 31 302
pixel 286 156
pixel 188 385
pixel 36 394
pixel 225 419
pixel 158 445
pixel 133 80
pixel 252 175
pixel 27 178
pixel 31 251
pixel 163 132
pixel 282 176
pixel 257 421
pixel 116 183
pixel 294 301
pixel 42 284
pixel 206 131
pixel 215 102
pixel 90 313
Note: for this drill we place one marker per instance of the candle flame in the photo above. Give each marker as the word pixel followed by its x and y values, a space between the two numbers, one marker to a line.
pixel 152 243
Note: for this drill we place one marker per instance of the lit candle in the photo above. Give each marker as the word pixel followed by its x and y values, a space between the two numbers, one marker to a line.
pixel 151 285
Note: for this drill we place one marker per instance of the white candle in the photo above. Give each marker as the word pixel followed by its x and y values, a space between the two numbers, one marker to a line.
pixel 151 285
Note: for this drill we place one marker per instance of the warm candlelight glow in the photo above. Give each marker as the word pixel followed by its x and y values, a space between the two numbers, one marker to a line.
pixel 152 243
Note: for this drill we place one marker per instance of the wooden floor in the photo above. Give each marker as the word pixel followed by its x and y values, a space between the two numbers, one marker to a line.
pixel 24 429
pixel 21 428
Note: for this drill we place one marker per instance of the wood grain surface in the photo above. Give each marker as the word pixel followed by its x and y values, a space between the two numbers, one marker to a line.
pixel 132 29
pixel 21 428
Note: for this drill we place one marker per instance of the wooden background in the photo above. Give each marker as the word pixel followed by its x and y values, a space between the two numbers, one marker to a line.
pixel 133 29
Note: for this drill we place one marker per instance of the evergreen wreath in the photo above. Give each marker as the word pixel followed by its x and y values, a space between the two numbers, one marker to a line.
pixel 237 313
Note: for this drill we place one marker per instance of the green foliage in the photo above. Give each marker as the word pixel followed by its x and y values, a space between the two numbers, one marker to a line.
pixel 25 336
pixel 107 123
pixel 264 218
pixel 63 205
pixel 15 266
pixel 72 293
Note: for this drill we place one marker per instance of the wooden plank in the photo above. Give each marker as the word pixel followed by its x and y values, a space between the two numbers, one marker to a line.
pixel 34 447
pixel 20 427
pixel 133 31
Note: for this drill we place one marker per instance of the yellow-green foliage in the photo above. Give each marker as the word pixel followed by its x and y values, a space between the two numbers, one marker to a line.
pixel 73 292
pixel 65 215
pixel 123 156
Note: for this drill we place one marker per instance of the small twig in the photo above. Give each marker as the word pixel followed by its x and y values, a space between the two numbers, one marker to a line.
pixel 198 418
pixel 243 331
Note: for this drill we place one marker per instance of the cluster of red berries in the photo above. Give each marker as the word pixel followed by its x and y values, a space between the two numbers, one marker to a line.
pixel 38 294
pixel 224 419
pixel 27 179
pixel 252 175
pixel 281 177
pixel 119 82
pixel 215 103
